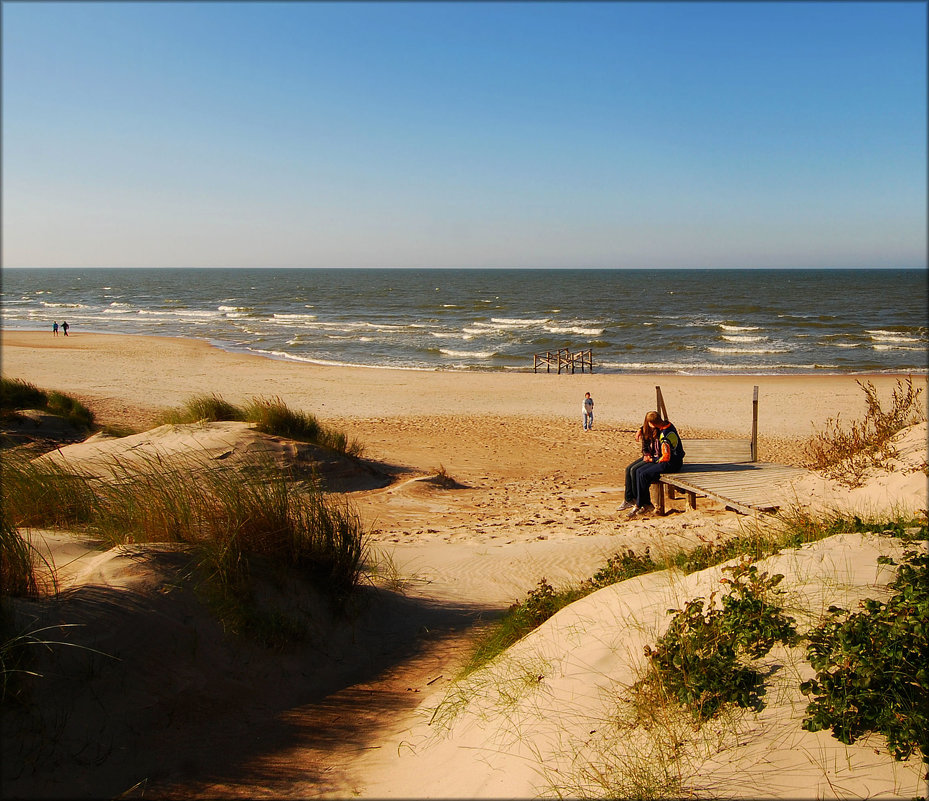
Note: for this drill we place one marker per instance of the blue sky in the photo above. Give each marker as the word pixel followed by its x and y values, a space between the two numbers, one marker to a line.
pixel 486 134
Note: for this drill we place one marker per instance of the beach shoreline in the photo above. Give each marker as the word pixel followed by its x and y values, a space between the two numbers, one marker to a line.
pixel 152 373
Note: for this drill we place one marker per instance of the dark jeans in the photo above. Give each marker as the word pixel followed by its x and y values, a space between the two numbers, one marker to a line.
pixel 647 474
pixel 631 471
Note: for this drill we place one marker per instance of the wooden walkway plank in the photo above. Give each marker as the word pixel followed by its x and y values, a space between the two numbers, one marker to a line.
pixel 727 471
pixel 749 487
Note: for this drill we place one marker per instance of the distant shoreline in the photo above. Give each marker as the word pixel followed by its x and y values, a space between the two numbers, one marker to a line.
pixel 287 358
pixel 133 375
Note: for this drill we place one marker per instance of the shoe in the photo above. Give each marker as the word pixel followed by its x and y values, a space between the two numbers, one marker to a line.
pixel 626 505
pixel 646 510
pixel 633 513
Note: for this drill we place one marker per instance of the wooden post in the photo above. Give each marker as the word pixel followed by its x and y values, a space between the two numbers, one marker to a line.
pixel 659 402
pixel 755 425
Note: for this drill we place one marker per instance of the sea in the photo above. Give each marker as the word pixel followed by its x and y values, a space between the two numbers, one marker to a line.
pixel 700 322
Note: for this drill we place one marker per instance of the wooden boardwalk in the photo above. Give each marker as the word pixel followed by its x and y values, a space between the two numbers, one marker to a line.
pixel 746 487
pixel 726 470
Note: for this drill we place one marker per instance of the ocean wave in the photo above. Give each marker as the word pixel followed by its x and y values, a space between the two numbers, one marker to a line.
pixel 880 335
pixel 292 357
pixel 748 350
pixel 52 305
pixel 282 316
pixel 574 329
pixel 897 347
pixel 468 354
pixel 730 338
pixel 451 335
pixel 727 327
pixel 712 367
pixel 516 322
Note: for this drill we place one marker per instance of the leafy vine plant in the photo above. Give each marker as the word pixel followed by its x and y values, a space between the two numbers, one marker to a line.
pixel 873 666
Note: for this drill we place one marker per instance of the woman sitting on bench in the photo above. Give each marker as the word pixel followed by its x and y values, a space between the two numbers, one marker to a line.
pixel 665 456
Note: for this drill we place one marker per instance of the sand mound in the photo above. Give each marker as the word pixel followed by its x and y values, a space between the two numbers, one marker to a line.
pixel 230 444
pixel 544 717
pixel 899 487
pixel 151 690
pixel 38 430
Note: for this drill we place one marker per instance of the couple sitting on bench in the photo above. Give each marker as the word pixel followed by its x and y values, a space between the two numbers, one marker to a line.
pixel 662 452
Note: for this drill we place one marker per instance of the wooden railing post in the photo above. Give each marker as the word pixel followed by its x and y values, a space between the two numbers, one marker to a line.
pixel 755 425
pixel 659 403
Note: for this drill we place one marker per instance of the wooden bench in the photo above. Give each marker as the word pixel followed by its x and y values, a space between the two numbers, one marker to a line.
pixel 726 470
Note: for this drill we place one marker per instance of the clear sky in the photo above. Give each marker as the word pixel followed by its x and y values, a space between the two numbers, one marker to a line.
pixel 485 134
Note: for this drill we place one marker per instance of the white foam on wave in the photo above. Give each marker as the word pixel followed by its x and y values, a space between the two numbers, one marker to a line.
pixel 748 350
pixel 288 317
pixel 897 347
pixel 516 322
pixel 467 354
pixel 738 327
pixel 574 329
pixel 291 357
pixel 732 338
pixel 50 305
pixel 704 367
pixel 880 335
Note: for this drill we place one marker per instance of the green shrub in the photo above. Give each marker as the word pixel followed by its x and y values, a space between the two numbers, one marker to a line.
pixel 521 618
pixel 872 666
pixel 620 567
pixel 698 662
pixel 748 616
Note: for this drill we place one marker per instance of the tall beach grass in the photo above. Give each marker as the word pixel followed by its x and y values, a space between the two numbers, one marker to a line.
pixel 16 395
pixel 268 415
pixel 231 519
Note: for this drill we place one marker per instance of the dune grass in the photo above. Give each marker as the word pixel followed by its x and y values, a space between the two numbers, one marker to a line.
pixel 846 452
pixel 233 521
pixel 269 415
pixel 790 530
pixel 16 394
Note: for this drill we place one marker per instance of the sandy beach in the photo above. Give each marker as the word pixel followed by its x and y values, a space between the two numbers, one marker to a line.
pixel 537 497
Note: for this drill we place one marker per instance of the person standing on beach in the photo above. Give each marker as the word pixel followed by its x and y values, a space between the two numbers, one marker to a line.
pixel 65 327
pixel 55 328
pixel 588 409
pixel 667 457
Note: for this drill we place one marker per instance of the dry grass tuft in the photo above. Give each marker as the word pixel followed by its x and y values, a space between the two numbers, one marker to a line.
pixel 845 454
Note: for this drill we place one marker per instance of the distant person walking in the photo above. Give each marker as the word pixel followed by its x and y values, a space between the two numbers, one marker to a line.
pixel 55 328
pixel 588 409
pixel 65 327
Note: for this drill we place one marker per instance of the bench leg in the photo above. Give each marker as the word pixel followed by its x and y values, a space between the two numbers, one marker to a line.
pixel 660 505
pixel 672 494
pixel 692 500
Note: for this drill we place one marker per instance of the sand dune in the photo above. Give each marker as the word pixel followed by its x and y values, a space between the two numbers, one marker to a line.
pixel 185 711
